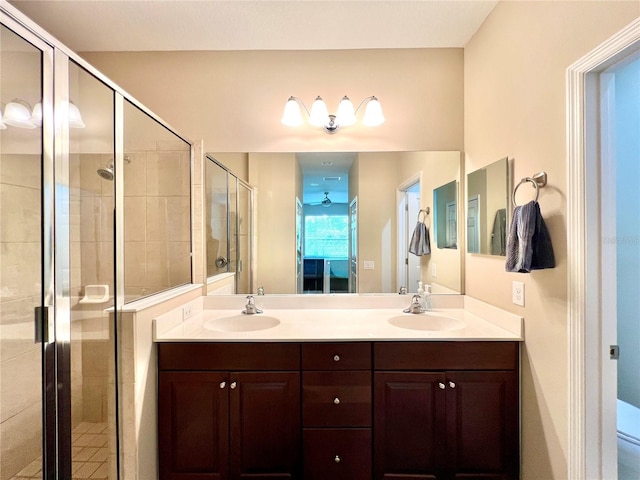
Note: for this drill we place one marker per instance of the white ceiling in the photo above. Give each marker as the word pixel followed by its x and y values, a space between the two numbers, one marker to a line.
pixel 143 25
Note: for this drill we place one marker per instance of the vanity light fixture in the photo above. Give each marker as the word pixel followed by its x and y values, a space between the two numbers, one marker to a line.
pixel 36 115
pixel 75 119
pixel 18 113
pixel 319 115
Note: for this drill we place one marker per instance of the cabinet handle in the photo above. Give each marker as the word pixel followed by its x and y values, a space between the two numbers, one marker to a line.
pixel 452 385
pixel 223 384
pixel 336 358
pixel 336 401
pixel 441 385
pixel 233 385
pixel 337 459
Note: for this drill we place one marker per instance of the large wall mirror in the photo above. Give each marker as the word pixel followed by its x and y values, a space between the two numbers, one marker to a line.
pixel 341 222
pixel 488 209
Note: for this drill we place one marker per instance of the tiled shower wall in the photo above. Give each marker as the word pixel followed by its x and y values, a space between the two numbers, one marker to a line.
pixel 157 223
pixel 20 357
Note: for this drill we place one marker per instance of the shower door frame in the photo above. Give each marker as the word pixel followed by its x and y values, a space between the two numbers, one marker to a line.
pixel 53 428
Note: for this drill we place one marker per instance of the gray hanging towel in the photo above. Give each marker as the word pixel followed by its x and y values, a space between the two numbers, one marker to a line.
pixel 420 244
pixel 529 244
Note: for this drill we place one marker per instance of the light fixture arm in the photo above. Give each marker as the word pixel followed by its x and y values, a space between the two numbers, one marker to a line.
pixel 301 103
pixel 366 99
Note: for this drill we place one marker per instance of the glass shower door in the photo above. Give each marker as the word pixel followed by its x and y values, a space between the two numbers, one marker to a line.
pixel 22 272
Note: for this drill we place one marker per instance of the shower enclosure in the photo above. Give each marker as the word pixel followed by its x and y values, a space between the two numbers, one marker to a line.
pixel 73 207
pixel 229 218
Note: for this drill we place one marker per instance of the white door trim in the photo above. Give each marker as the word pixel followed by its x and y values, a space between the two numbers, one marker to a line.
pixel 583 238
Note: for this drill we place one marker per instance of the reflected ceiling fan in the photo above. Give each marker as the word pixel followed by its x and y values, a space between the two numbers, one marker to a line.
pixel 326 202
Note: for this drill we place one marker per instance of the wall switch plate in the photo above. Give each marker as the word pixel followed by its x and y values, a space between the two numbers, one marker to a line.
pixel 369 265
pixel 187 311
pixel 517 293
pixel 434 270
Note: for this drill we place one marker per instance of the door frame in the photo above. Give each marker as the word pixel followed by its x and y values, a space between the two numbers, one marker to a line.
pixel 585 348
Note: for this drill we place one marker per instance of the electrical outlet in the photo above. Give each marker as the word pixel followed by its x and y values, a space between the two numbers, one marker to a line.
pixel 434 270
pixel 369 265
pixel 517 293
pixel 187 311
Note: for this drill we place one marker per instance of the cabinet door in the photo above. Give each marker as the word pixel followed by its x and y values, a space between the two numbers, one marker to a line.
pixel 482 425
pixel 193 425
pixel 409 425
pixel 265 425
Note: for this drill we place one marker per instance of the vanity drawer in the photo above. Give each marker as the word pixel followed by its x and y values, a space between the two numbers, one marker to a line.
pixel 229 356
pixel 337 454
pixel 445 355
pixel 336 356
pixel 336 399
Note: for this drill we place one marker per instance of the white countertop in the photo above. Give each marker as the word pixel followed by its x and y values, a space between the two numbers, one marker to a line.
pixel 304 320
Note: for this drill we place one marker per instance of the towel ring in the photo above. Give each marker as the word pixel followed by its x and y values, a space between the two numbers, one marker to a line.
pixel 538 180
pixel 426 214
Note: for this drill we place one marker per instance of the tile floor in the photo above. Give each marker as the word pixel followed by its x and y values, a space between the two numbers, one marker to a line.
pixel 89 451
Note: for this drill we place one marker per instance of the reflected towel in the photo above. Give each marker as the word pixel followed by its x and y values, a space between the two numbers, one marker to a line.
pixel 420 244
pixel 499 233
pixel 529 244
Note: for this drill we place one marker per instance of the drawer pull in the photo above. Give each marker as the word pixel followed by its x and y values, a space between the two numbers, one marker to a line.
pixel 441 385
pixel 452 385
pixel 223 384
pixel 233 385
pixel 336 401
pixel 337 459
pixel 336 358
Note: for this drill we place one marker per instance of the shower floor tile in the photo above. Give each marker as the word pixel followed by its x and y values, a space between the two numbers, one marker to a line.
pixel 90 455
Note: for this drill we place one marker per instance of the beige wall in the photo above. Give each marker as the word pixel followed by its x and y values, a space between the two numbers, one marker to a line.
pixel 278 175
pixel 515 104
pixel 234 100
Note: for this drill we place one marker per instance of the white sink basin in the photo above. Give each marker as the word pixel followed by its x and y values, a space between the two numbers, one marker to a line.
pixel 426 321
pixel 241 323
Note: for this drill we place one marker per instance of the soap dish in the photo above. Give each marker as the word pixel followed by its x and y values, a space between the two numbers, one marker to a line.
pixel 95 294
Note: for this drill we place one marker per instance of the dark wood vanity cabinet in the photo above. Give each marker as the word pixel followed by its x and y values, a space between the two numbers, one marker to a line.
pixel 433 422
pixel 229 411
pixel 336 411
pixel 333 411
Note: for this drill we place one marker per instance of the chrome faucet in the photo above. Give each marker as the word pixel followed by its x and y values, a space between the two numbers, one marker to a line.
pixel 250 308
pixel 416 305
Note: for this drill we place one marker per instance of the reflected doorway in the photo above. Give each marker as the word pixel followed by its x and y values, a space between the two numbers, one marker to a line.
pixel 408 210
pixel 327 222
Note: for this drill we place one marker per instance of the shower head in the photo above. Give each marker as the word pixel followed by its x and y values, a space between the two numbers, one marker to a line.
pixel 106 173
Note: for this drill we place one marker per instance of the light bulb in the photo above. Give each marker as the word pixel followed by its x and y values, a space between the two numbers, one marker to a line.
pixel 75 119
pixel 373 115
pixel 36 115
pixel 292 116
pixel 17 113
pixel 319 115
pixel 346 114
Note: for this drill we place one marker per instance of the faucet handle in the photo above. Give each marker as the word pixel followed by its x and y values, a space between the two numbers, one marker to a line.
pixel 416 305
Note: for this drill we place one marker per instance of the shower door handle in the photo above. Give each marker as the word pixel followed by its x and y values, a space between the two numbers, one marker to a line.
pixel 43 325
